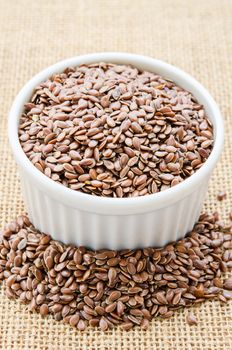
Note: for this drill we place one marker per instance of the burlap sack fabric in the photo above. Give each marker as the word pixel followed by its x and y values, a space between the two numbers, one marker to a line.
pixel 194 35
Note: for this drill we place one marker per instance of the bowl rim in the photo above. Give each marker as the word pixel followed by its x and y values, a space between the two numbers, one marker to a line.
pixel 110 205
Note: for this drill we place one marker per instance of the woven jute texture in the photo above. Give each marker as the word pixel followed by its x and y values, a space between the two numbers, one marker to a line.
pixel 194 35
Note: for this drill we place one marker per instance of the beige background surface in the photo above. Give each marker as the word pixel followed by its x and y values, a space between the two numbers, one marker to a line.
pixel 194 35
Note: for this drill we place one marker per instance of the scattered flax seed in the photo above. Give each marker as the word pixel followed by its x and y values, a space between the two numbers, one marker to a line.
pixel 114 131
pixel 191 319
pixel 221 196
pixel 228 284
pixel 44 310
pixel 107 288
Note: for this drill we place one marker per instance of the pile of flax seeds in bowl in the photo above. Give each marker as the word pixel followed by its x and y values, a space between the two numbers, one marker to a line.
pixel 111 130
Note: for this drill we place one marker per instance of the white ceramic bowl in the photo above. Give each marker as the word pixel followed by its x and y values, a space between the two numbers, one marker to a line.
pixel 116 223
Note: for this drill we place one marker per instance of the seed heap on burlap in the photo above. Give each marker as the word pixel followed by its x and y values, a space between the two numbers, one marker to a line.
pixel 110 130
pixel 106 288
